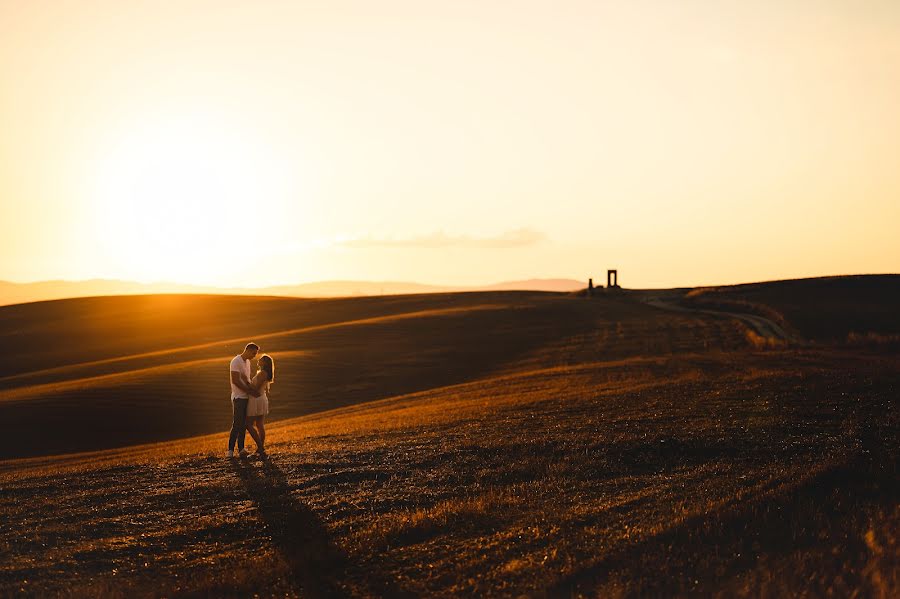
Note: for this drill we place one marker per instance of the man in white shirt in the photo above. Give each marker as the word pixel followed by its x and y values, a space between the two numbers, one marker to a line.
pixel 240 397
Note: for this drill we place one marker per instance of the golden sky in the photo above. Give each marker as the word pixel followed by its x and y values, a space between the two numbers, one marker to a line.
pixel 256 143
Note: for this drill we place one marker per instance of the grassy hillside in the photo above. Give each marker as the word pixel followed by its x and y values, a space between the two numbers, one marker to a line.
pixel 826 310
pixel 489 444
pixel 109 372
pixel 739 474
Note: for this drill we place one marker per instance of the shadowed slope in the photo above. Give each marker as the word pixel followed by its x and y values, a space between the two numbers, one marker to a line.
pixel 65 332
pixel 825 309
pixel 487 445
pixel 402 345
pixel 673 475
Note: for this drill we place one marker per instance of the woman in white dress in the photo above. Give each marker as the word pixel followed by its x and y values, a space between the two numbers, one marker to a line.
pixel 258 406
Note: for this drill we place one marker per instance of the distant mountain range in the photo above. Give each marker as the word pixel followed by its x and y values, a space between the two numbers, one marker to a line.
pixel 17 293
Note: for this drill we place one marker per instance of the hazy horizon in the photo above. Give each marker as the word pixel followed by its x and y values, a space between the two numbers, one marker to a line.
pixel 599 280
pixel 18 293
pixel 286 284
pixel 685 144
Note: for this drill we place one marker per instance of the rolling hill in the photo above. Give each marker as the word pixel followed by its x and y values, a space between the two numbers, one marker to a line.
pixel 493 444
pixel 146 368
pixel 826 309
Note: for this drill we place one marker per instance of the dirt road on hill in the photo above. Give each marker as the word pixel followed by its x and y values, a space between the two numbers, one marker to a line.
pixel 668 300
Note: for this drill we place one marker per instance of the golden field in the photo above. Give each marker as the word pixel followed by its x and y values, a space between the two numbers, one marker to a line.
pixel 492 444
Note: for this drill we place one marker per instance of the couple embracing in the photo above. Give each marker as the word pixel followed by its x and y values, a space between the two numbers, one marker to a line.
pixel 250 400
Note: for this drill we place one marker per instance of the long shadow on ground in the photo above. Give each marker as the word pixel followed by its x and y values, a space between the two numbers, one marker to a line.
pixel 295 529
pixel 317 565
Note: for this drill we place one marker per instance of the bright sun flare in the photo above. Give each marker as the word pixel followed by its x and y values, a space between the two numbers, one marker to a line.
pixel 175 202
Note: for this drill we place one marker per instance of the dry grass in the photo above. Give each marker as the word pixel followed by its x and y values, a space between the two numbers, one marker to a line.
pixel 553 481
pixel 761 343
pixel 723 299
pixel 874 340
pixel 330 353
pixel 823 310
pixel 632 453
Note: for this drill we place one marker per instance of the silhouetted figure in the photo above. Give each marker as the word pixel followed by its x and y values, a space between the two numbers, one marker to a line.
pixel 240 397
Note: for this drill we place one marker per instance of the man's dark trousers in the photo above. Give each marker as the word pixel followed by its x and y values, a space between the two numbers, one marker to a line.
pixel 238 422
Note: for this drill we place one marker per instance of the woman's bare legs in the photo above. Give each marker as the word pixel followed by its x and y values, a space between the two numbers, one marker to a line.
pixel 251 421
pixel 261 428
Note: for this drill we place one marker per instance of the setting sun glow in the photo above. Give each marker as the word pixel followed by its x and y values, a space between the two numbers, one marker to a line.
pixel 450 143
pixel 182 200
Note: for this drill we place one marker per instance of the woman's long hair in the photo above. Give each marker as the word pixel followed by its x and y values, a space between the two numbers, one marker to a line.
pixel 267 364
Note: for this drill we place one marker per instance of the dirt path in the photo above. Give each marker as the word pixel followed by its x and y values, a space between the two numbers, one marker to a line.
pixel 765 328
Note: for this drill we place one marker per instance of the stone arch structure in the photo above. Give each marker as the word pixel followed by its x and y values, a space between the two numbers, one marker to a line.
pixel 612 278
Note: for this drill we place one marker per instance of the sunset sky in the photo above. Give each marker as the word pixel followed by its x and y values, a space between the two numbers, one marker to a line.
pixel 258 143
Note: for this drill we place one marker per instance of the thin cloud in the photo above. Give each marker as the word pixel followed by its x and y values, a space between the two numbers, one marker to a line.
pixel 510 239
